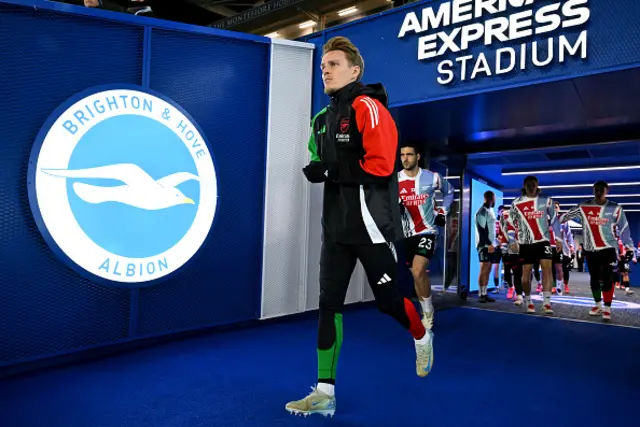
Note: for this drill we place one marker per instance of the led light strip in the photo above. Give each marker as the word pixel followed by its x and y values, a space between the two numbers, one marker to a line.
pixel 607 168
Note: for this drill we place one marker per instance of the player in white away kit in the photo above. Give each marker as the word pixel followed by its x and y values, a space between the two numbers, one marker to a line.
pixel 417 189
pixel 534 217
pixel 599 218
pixel 564 260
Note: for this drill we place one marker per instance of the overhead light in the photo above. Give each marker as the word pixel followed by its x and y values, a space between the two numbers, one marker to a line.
pixel 595 169
pixel 307 24
pixel 347 11
pixel 588 185
pixel 272 35
pixel 452 177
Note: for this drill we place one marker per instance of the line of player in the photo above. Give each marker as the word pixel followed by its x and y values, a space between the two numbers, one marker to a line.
pixel 533 225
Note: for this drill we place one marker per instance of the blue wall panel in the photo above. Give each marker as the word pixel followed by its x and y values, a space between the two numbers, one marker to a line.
pixel 227 95
pixel 48 55
pixel 613 43
pixel 44 306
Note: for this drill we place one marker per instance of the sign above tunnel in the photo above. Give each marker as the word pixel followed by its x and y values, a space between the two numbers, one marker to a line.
pixel 508 30
pixel 440 49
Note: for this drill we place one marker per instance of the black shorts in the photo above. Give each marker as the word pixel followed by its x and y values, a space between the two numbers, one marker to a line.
pixel 535 252
pixel 485 256
pixel 512 260
pixel 623 266
pixel 423 245
pixel 558 256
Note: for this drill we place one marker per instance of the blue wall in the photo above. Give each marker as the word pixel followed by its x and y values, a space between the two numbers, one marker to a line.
pixel 221 80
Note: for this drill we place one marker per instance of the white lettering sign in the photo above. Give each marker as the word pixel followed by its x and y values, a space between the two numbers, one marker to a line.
pixel 448 29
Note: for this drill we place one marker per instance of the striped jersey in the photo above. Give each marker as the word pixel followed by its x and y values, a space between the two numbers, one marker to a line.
pixel 485 227
pixel 417 194
pixel 505 228
pixel 599 224
pixel 567 238
pixel 534 220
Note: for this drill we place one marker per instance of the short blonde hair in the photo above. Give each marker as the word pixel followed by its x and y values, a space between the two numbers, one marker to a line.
pixel 352 53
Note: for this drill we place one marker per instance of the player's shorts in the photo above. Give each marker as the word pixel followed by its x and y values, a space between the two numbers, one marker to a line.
pixel 423 245
pixel 533 253
pixel 512 260
pixel 558 256
pixel 623 266
pixel 485 256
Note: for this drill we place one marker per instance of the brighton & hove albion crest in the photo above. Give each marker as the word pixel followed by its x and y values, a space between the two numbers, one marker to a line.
pixel 122 185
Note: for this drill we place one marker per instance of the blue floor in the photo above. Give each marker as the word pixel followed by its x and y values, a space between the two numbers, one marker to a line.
pixel 491 369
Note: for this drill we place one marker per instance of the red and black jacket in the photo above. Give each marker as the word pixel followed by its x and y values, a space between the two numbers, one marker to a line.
pixel 355 139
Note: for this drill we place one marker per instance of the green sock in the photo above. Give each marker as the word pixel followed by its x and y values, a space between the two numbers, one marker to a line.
pixel 328 359
pixel 597 295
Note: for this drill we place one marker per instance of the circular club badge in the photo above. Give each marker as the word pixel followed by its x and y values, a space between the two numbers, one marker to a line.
pixel 122 185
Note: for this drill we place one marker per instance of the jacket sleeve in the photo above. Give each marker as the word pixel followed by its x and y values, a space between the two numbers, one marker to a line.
pixel 312 144
pixel 380 141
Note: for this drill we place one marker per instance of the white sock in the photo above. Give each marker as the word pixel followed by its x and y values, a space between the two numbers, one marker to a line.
pixel 425 339
pixel 427 305
pixel 560 284
pixel 599 304
pixel 483 290
pixel 527 298
pixel 327 388
pixel 547 297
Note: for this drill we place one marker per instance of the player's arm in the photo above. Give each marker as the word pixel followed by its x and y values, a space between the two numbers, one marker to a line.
pixel 447 191
pixel 512 220
pixel 623 227
pixel 569 237
pixel 572 214
pixel 315 171
pixel 380 142
pixel 481 228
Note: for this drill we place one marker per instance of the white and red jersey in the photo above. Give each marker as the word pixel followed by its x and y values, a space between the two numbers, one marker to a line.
pixel 501 237
pixel 506 227
pixel 417 194
pixel 534 220
pixel 599 223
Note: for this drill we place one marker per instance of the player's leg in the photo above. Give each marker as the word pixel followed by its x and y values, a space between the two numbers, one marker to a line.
pixel 421 248
pixel 485 259
pixel 594 267
pixel 608 259
pixel 496 259
pixel 508 274
pixel 517 279
pixel 452 268
pixel 536 274
pixel 546 260
pixel 559 279
pixel 380 265
pixel 336 267
pixel 566 263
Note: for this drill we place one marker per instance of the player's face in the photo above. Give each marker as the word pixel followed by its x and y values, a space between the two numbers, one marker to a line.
pixel 409 158
pixel 600 193
pixel 531 187
pixel 557 206
pixel 336 71
pixel 491 201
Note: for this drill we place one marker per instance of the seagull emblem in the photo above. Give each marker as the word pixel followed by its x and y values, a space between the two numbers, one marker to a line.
pixel 139 189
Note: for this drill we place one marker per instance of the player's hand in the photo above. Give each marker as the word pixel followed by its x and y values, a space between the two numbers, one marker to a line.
pixel 515 247
pixel 491 249
pixel 316 172
pixel 558 245
pixel 440 220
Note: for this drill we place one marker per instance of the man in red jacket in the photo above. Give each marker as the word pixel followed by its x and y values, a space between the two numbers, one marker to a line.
pixel 354 149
